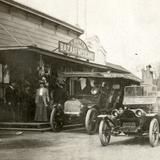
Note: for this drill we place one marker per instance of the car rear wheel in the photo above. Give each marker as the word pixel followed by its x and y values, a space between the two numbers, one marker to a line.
pixel 91 121
pixel 56 120
pixel 154 132
pixel 104 132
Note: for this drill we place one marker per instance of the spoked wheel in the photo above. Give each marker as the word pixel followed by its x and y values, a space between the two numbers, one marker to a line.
pixel 91 121
pixel 56 120
pixel 154 132
pixel 104 132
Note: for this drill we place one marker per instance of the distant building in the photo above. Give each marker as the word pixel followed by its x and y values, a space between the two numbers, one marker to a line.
pixel 147 75
pixel 95 45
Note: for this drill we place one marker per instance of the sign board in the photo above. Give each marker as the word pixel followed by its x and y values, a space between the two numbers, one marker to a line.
pixel 76 47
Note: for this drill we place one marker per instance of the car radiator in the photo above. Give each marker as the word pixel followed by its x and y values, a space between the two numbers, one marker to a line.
pixel 72 107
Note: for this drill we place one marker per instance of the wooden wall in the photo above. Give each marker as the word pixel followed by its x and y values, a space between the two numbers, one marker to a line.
pixel 18 27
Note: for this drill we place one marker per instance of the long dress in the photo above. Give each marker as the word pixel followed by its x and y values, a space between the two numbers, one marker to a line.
pixel 41 103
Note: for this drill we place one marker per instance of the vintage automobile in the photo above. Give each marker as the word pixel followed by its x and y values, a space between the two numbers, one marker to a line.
pixel 83 104
pixel 140 115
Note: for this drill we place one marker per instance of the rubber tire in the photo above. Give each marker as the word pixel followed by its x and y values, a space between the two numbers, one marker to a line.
pixel 53 126
pixel 153 140
pixel 89 130
pixel 105 140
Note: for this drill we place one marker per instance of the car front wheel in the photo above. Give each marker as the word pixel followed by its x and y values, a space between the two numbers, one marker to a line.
pixel 104 132
pixel 56 120
pixel 91 121
pixel 154 132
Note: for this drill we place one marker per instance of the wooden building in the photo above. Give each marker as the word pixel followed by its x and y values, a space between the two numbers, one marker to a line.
pixel 32 42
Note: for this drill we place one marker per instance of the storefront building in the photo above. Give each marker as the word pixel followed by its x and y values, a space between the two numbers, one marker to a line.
pixel 34 45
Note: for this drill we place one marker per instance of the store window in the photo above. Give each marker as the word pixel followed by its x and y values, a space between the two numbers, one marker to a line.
pixel 1 79
pixel 6 75
pixel 1 73
pixel 4 79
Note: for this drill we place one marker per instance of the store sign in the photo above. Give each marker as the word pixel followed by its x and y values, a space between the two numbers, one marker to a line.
pixel 77 48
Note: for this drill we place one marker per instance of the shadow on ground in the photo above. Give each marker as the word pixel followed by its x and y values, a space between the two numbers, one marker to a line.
pixel 143 141
pixel 2 136
pixel 24 143
pixel 75 130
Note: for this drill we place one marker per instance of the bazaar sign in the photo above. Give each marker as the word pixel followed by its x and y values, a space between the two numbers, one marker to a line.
pixel 76 47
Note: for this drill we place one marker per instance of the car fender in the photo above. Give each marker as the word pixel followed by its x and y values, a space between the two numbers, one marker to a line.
pixel 102 116
pixel 151 115
pixel 105 116
pixel 89 106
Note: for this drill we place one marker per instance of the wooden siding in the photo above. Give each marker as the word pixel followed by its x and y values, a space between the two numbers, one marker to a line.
pixel 18 27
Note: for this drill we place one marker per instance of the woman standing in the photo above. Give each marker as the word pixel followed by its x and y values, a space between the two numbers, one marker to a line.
pixel 41 100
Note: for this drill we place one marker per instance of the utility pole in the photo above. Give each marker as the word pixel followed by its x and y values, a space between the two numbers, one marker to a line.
pixel 77 11
pixel 85 18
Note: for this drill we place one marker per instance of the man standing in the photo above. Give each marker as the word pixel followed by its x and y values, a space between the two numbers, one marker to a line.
pixel 10 95
pixel 60 94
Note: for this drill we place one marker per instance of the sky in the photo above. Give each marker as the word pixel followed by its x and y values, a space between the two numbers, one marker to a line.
pixel 129 30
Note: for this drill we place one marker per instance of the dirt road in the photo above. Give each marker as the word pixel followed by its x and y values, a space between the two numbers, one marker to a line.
pixel 73 145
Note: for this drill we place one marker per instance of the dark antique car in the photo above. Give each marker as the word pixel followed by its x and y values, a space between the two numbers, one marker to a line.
pixel 85 96
pixel 140 115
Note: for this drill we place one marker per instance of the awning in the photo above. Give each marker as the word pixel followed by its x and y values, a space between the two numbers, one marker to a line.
pixel 103 75
pixel 123 76
pixel 35 49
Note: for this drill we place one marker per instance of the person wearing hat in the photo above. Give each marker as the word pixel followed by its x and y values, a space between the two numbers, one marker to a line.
pixel 60 94
pixel 11 98
pixel 41 100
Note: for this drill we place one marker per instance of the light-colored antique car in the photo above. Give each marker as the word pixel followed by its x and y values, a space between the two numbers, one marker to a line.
pixel 83 104
pixel 140 115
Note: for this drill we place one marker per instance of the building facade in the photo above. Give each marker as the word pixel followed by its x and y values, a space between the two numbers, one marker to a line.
pixel 34 45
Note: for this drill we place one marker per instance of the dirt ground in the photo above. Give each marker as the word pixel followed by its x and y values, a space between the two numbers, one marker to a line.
pixel 73 144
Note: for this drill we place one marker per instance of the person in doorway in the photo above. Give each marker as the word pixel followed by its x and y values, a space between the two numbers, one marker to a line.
pixel 111 99
pixel 87 89
pixel 11 98
pixel 41 100
pixel 26 102
pixel 104 98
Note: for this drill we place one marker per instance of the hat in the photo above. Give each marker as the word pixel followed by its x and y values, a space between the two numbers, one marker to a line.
pixel 41 82
pixel 60 80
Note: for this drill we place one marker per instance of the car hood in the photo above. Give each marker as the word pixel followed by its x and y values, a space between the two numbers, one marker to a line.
pixel 86 100
pixel 139 100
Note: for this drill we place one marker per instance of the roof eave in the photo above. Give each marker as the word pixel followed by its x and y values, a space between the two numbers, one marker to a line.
pixel 47 52
pixel 43 15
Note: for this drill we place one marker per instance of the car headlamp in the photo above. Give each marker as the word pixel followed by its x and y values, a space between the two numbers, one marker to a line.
pixel 81 106
pixel 139 113
pixel 115 113
pixel 94 91
pixel 59 105
pixel 125 107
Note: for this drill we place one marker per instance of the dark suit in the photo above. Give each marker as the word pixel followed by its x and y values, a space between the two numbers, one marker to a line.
pixel 11 99
pixel 10 95
pixel 60 95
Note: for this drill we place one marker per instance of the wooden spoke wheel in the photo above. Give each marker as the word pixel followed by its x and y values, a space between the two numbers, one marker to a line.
pixel 104 132
pixel 91 122
pixel 154 132
pixel 56 120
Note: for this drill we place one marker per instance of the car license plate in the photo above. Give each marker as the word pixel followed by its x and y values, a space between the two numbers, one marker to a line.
pixel 129 124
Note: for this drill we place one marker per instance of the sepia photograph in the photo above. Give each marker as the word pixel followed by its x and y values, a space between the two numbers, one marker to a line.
pixel 79 79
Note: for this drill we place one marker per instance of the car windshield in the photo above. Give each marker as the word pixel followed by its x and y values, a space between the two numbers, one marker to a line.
pixel 147 90
pixel 84 86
